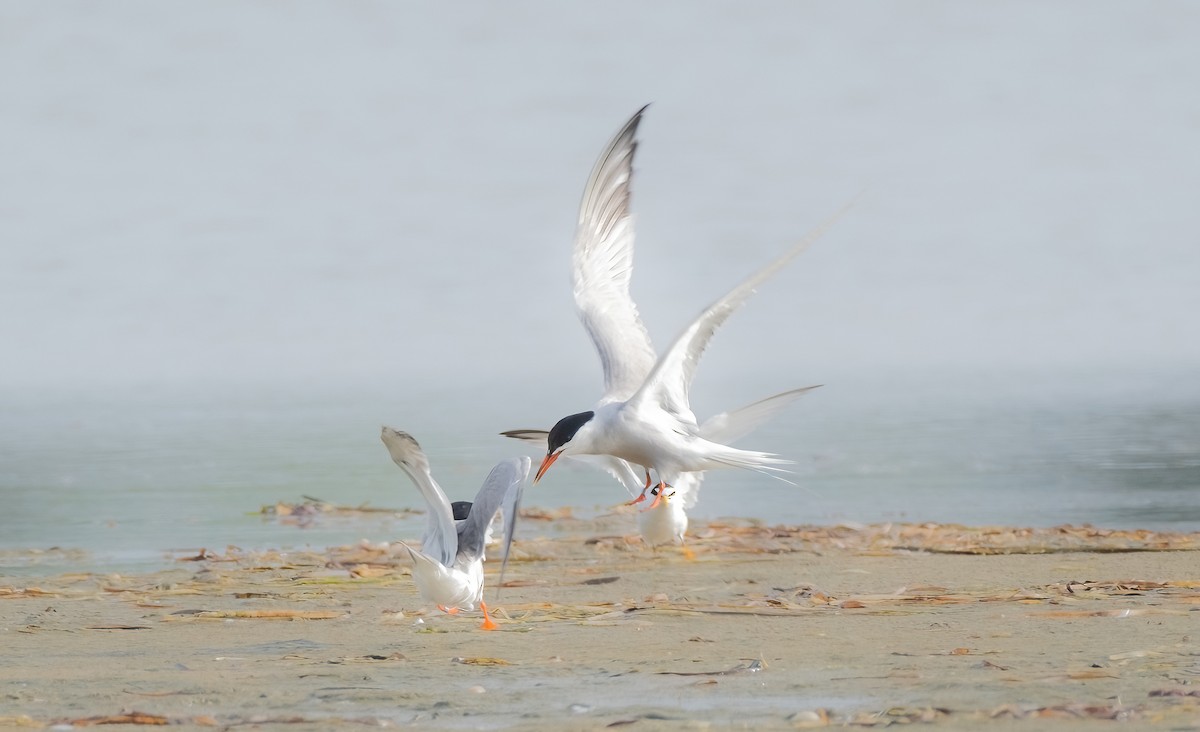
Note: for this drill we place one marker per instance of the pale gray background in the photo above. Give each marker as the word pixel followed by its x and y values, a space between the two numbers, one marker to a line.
pixel 314 192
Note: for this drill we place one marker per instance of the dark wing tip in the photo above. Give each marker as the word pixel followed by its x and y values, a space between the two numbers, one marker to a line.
pixel 522 434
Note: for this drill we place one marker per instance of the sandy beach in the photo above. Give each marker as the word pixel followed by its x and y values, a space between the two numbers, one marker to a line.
pixel 754 627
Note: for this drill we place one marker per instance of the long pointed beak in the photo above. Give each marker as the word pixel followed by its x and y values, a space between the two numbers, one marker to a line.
pixel 546 463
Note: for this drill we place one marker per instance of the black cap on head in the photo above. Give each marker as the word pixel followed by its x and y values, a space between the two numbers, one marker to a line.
pixel 561 433
pixel 461 510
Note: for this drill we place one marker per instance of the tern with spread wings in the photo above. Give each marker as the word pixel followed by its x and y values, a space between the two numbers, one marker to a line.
pixel 448 569
pixel 665 521
pixel 644 417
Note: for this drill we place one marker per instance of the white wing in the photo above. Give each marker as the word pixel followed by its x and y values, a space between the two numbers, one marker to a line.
pixel 441 537
pixel 601 267
pixel 617 468
pixel 728 427
pixel 670 381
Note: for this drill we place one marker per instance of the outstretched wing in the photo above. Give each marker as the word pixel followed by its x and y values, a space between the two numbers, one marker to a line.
pixel 601 267
pixel 670 381
pixel 441 538
pixel 728 427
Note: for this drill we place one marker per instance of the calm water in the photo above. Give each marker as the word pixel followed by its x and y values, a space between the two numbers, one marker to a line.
pixel 130 480
pixel 368 206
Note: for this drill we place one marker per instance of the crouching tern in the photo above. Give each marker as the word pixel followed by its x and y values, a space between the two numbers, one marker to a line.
pixel 448 569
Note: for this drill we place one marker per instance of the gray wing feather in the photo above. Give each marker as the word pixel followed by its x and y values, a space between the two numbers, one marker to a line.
pixel 602 265
pixel 511 510
pixel 502 489
pixel 534 437
pixel 441 538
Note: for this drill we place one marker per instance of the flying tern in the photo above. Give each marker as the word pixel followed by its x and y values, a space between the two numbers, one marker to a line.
pixel 448 569
pixel 644 416
pixel 666 521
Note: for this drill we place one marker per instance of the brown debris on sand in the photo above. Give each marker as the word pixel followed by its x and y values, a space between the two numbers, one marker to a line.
pixel 769 627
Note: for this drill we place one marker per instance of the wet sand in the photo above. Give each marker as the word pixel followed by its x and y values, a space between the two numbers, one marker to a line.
pixel 757 627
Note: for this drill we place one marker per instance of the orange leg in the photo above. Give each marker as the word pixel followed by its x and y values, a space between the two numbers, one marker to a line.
pixel 448 610
pixel 641 497
pixel 487 620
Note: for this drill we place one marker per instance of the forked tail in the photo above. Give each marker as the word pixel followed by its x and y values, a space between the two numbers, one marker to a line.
pixel 760 462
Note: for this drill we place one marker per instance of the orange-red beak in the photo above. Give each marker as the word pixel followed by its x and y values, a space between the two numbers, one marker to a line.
pixel 546 463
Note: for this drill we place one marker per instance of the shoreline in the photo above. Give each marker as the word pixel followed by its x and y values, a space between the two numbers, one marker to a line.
pixel 763 627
